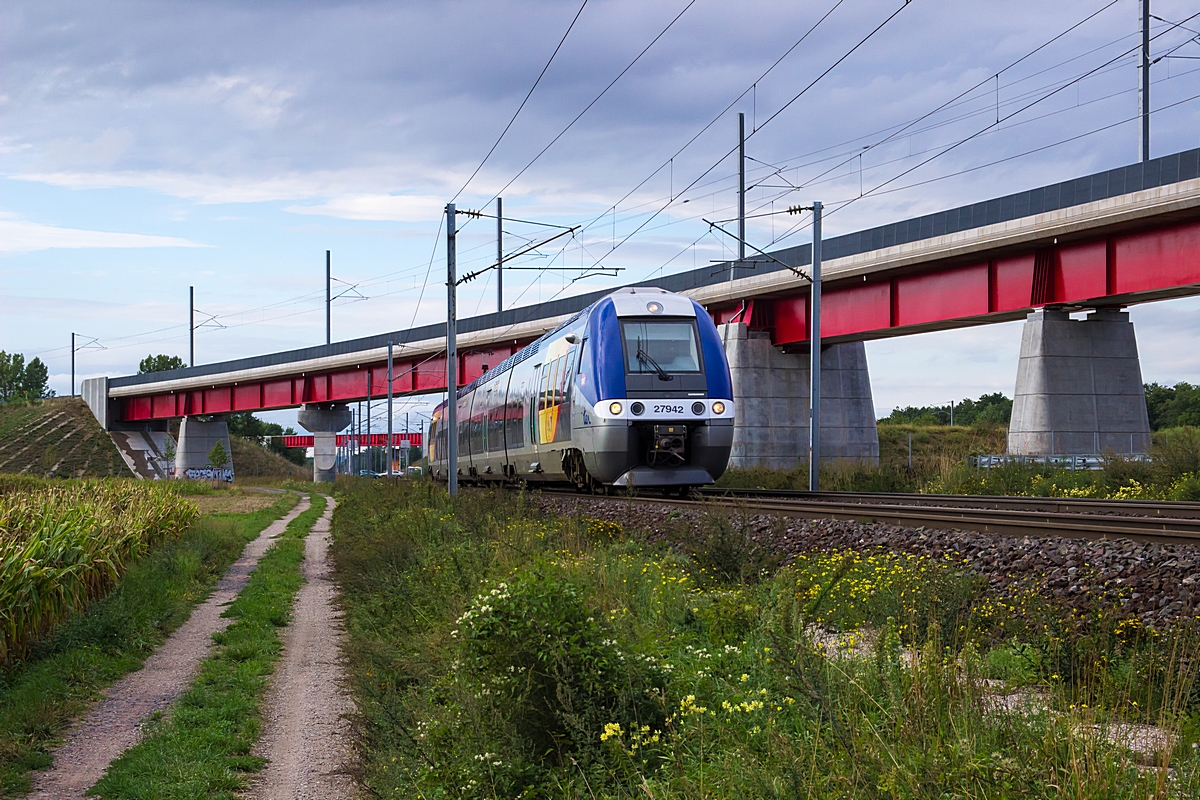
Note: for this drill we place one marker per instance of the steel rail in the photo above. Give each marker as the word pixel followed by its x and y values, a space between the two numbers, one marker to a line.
pixel 942 513
pixel 1077 505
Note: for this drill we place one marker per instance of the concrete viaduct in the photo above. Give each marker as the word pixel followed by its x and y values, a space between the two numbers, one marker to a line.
pixel 1094 244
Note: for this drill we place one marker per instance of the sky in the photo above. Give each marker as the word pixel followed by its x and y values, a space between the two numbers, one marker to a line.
pixel 149 147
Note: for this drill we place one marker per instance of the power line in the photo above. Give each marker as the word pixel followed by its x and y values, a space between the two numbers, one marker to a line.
pixel 809 184
pixel 523 102
pixel 595 100
pixel 988 79
pixel 796 97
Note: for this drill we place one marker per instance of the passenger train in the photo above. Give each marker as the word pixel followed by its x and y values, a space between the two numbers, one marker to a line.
pixel 632 391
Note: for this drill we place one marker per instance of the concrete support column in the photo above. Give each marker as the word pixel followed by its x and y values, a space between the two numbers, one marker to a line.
pixel 197 437
pixel 770 392
pixel 1079 387
pixel 323 422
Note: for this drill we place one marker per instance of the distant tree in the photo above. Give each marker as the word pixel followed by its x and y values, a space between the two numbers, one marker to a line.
pixel 21 381
pixel 989 409
pixel 160 363
pixel 35 382
pixel 1172 406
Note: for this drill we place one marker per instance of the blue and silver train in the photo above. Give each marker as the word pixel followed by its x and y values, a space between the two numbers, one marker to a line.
pixel 632 391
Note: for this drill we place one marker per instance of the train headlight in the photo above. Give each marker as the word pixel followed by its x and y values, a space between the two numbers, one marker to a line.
pixel 637 409
pixel 718 407
pixel 654 308
pixel 614 408
pixel 697 408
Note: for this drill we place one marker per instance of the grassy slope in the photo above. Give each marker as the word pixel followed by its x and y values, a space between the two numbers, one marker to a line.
pixel 202 749
pixel 935 450
pixel 932 445
pixel 40 697
pixel 58 437
pixel 253 461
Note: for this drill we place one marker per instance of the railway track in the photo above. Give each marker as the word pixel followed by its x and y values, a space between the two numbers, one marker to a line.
pixel 1164 522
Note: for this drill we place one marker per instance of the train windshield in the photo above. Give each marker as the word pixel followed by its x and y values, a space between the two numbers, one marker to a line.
pixel 661 346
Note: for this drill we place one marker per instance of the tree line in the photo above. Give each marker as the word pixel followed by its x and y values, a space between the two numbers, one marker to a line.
pixel 989 409
pixel 20 381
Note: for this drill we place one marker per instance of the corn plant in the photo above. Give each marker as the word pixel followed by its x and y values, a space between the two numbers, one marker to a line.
pixel 66 543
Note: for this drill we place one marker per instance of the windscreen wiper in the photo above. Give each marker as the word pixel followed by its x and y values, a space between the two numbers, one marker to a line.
pixel 645 358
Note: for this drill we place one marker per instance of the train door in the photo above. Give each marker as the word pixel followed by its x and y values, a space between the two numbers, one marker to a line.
pixel 518 409
pixel 498 426
pixel 464 434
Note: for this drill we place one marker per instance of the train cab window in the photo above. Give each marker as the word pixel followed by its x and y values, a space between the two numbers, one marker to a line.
pixel 666 345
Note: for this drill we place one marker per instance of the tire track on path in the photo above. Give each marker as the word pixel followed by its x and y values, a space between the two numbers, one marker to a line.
pixel 306 730
pixel 114 724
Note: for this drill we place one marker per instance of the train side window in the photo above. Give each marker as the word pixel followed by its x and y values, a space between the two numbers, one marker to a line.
pixel 579 360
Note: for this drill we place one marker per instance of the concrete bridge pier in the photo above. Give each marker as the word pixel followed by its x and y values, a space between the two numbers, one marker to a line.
pixel 771 391
pixel 197 437
pixel 1079 387
pixel 323 422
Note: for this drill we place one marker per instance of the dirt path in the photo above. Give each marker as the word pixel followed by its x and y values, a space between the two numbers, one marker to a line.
pixel 114 724
pixel 305 731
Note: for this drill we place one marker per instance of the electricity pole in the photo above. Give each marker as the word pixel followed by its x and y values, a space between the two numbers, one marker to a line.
pixel 741 188
pixel 814 338
pixel 451 355
pixel 389 439
pixel 370 457
pixel 328 301
pixel 191 326
pixel 72 363
pixel 1144 83
pixel 499 255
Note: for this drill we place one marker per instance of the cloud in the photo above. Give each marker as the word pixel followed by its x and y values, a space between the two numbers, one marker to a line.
pixel 390 207
pixel 22 236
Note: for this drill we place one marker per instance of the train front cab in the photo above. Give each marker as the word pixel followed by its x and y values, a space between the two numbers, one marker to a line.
pixel 657 406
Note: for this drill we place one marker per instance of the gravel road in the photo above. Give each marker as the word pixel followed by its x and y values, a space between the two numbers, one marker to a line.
pixel 306 734
pixel 114 724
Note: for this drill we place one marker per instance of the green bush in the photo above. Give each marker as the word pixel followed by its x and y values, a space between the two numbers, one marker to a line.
pixel 556 673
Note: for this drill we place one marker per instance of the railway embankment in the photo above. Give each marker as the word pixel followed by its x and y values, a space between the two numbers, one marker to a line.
pixel 1153 583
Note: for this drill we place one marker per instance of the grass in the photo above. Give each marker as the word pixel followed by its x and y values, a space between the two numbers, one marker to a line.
pixel 940 466
pixel 201 749
pixel 499 652
pixel 64 674
pixel 252 460
pixel 57 437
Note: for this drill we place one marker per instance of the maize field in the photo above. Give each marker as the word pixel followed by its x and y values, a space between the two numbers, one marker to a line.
pixel 64 544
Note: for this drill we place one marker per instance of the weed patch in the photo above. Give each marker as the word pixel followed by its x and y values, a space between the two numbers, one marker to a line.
pixel 499 652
